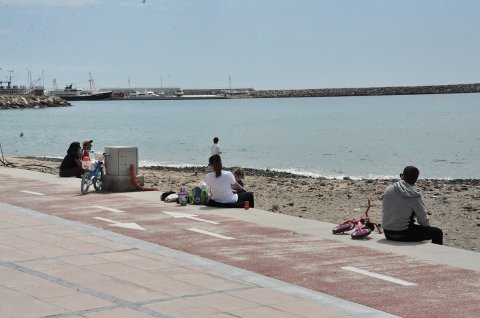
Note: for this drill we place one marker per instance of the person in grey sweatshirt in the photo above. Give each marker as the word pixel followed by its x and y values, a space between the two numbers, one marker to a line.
pixel 401 203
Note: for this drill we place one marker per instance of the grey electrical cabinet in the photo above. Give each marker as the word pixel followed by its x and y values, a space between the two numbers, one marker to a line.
pixel 118 160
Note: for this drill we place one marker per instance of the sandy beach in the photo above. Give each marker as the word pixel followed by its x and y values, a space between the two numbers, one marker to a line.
pixel 453 205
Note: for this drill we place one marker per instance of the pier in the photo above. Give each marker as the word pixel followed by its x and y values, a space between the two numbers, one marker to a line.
pixel 369 91
pixel 21 97
pixel 169 93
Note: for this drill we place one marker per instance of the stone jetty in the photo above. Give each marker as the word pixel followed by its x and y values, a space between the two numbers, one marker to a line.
pixel 369 91
pixel 30 101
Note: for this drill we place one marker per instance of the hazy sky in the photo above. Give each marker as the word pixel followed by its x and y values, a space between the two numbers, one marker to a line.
pixel 264 44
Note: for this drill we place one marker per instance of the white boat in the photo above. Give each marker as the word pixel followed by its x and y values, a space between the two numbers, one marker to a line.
pixel 71 93
pixel 148 93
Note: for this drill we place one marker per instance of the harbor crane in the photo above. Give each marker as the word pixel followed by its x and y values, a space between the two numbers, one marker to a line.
pixel 9 82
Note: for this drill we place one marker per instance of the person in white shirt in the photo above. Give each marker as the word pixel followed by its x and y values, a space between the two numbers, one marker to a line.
pixel 220 186
pixel 215 149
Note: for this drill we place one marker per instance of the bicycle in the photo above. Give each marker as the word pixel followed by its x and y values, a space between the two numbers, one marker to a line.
pixel 93 176
pixel 362 227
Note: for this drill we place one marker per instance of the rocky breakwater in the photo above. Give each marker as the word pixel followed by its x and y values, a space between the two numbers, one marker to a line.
pixel 369 91
pixel 31 101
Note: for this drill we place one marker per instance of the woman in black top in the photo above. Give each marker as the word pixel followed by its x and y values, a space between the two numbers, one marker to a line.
pixel 71 165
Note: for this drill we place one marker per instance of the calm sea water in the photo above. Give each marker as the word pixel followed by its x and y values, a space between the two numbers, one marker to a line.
pixel 333 137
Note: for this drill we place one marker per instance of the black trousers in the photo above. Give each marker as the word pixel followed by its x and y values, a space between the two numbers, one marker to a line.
pixel 416 233
pixel 246 196
pixel 72 172
pixel 242 197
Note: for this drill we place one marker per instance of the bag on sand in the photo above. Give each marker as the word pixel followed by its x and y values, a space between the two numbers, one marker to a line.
pixel 198 196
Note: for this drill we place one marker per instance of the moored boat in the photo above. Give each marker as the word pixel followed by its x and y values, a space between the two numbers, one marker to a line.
pixel 71 93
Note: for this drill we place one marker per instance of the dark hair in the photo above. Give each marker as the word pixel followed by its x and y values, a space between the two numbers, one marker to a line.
pixel 410 174
pixel 74 147
pixel 215 140
pixel 216 163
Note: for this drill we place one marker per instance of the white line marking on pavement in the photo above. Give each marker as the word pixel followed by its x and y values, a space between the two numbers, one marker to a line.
pixel 108 209
pixel 211 234
pixel 31 192
pixel 132 226
pixel 379 276
pixel 177 215
pixel 104 219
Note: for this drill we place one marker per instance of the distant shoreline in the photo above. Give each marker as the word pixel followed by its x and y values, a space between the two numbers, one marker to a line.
pixel 32 101
pixel 369 91
pixel 268 173
pixel 239 93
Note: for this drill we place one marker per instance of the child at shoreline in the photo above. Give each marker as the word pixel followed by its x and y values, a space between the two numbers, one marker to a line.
pixel 215 148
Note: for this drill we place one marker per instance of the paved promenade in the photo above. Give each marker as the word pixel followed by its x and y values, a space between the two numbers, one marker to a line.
pixel 63 254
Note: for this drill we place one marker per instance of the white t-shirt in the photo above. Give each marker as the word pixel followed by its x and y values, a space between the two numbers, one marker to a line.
pixel 215 149
pixel 221 188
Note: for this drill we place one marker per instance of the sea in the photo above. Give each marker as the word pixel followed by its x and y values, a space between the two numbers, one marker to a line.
pixel 337 137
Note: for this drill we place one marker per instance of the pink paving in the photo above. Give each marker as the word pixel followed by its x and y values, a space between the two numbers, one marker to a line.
pixel 440 290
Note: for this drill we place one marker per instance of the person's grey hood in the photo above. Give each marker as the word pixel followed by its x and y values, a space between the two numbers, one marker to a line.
pixel 406 190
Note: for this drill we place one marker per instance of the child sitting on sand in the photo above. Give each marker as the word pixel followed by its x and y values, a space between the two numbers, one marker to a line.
pixel 239 175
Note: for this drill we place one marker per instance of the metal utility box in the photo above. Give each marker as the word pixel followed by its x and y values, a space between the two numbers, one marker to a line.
pixel 119 159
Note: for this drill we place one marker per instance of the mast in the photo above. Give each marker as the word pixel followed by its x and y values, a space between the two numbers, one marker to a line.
pixel 10 79
pixel 92 82
pixel 29 74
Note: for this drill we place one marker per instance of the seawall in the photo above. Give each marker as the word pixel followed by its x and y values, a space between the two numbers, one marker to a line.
pixel 30 101
pixel 369 91
pixel 42 101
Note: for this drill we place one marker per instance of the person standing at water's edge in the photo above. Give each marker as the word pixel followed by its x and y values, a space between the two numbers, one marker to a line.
pixel 401 203
pixel 215 149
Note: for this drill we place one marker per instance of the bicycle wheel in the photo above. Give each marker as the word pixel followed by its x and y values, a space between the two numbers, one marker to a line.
pixel 98 180
pixel 361 233
pixel 344 227
pixel 85 184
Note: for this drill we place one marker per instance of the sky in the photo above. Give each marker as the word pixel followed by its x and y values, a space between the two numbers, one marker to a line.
pixel 260 44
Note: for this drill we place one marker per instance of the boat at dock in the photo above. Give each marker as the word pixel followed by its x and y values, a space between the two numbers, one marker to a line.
pixel 168 97
pixel 161 95
pixel 71 93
